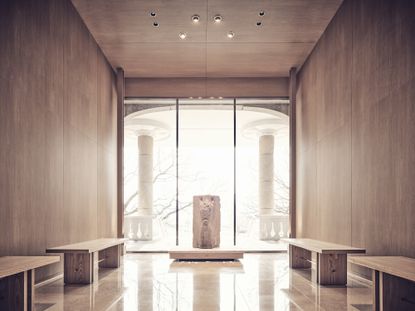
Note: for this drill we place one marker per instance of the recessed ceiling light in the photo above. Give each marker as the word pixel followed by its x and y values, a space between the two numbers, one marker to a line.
pixel 258 23
pixel 217 19
pixel 231 34
pixel 261 13
pixel 182 35
pixel 195 19
pixel 153 14
pixel 155 24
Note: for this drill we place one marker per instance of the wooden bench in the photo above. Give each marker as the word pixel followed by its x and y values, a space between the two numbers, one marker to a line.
pixel 393 280
pixel 328 261
pixel 17 277
pixel 81 260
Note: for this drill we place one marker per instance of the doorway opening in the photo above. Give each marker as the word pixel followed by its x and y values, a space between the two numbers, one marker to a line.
pixel 237 149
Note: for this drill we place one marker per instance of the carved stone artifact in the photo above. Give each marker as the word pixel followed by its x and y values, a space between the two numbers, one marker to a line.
pixel 206 221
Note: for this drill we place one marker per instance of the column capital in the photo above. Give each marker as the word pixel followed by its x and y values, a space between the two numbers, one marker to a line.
pixel 256 129
pixel 148 127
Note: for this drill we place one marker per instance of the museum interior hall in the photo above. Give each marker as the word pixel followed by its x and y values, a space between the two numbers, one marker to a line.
pixel 207 155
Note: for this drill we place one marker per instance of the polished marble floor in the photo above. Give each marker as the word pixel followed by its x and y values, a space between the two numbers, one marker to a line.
pixel 153 282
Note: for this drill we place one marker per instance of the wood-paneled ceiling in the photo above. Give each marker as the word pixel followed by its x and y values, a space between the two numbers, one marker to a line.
pixel 124 30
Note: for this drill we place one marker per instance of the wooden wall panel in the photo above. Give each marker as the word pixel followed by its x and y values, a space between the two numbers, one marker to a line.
pixel 206 87
pixel 355 108
pixel 80 185
pixel 107 151
pixel 333 186
pixel 81 77
pixel 107 199
pixel 50 115
pixel 383 127
pixel 307 210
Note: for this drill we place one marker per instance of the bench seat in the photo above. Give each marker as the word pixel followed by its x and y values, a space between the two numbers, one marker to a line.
pixel 328 261
pixel 87 246
pixel 81 260
pixel 393 280
pixel 17 277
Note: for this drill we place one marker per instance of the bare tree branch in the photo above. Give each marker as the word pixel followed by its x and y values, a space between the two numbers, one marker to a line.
pixel 174 211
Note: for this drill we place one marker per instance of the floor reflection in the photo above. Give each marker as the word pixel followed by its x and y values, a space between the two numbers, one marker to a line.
pixel 154 282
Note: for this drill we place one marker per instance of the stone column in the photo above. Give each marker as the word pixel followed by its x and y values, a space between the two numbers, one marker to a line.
pixel 145 186
pixel 266 183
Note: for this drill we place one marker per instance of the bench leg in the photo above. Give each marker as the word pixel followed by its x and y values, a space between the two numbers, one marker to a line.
pixel 375 290
pixel 31 290
pixel 314 267
pixel 332 269
pixel 14 293
pixel 80 268
pixel 299 258
pixel 394 293
pixel 110 257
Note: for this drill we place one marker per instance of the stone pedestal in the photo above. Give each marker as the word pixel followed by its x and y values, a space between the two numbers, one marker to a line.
pixel 206 221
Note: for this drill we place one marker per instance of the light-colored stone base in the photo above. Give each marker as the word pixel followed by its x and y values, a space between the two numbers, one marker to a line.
pixel 206 254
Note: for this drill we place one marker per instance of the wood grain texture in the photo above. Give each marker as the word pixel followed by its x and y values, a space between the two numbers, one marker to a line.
pixel 323 247
pixel 30 288
pixel 355 130
pixel 206 87
pixel 288 33
pixel 10 265
pixel 110 257
pixel 328 261
pixel 120 88
pixel 299 258
pixel 308 222
pixel 86 246
pixel 13 292
pixel 402 267
pixel 375 289
pixel 292 156
pixel 395 293
pixel 383 152
pixel 332 269
pixel 56 130
pixel 79 268
pixel 107 151
pixel 214 60
pixel 324 136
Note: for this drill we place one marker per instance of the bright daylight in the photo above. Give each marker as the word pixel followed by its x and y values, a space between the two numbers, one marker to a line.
pixel 206 167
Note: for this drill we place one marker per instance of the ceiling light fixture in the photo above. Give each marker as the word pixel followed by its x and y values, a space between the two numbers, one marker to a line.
pixel 153 14
pixel 261 13
pixel 155 24
pixel 195 19
pixel 182 35
pixel 258 23
pixel 231 34
pixel 217 19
